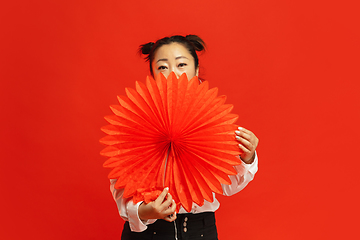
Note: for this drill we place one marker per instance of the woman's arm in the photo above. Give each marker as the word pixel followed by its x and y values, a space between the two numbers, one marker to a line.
pixel 248 143
pixel 246 173
pixel 128 210
pixel 140 215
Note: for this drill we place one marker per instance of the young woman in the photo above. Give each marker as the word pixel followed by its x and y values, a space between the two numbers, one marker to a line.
pixel 158 219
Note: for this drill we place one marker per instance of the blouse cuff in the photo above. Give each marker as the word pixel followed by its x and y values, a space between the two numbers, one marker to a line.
pixel 136 224
pixel 252 167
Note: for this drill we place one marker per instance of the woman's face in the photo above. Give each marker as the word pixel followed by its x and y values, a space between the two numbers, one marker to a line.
pixel 174 57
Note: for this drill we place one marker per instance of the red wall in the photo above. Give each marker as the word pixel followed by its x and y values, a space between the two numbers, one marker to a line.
pixel 291 68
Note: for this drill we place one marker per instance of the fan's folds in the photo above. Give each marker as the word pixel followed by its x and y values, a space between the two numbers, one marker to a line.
pixel 171 132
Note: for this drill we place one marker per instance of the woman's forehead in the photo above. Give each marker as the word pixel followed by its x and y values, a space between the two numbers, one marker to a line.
pixel 172 51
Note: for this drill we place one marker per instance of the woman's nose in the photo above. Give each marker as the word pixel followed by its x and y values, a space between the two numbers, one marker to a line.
pixel 177 73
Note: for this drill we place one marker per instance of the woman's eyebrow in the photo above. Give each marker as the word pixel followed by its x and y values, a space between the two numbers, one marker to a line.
pixel 180 57
pixel 162 59
pixel 165 59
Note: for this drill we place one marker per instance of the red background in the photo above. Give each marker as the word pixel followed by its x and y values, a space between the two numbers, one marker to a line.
pixel 291 68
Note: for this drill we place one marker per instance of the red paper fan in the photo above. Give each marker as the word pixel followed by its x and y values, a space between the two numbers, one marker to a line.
pixel 171 132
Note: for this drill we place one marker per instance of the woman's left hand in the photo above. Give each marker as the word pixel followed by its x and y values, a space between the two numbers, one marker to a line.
pixel 247 143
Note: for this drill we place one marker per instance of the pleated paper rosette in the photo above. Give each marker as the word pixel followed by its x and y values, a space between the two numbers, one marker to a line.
pixel 171 132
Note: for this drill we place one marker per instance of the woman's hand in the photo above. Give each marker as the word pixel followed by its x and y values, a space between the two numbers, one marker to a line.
pixel 248 143
pixel 159 209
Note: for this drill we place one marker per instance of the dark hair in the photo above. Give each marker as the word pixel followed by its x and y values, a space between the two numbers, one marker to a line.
pixel 192 43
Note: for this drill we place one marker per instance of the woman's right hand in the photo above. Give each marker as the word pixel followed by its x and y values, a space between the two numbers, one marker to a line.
pixel 159 209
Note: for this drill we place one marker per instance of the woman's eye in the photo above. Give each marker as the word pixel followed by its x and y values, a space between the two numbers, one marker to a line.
pixel 161 68
pixel 182 64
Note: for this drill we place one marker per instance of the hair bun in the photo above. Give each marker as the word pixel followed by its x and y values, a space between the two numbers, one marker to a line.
pixel 198 43
pixel 146 48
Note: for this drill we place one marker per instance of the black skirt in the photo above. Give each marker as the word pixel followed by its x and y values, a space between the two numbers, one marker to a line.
pixel 188 226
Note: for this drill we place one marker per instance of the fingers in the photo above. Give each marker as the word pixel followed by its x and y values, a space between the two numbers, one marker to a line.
pixel 171 209
pixel 244 134
pixel 171 212
pixel 163 207
pixel 244 140
pixel 170 218
pixel 247 138
pixel 247 143
pixel 245 130
pixel 166 204
pixel 244 143
pixel 246 150
pixel 163 204
pixel 161 197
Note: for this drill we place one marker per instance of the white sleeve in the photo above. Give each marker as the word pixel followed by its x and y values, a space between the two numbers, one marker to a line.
pixel 246 173
pixel 128 210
